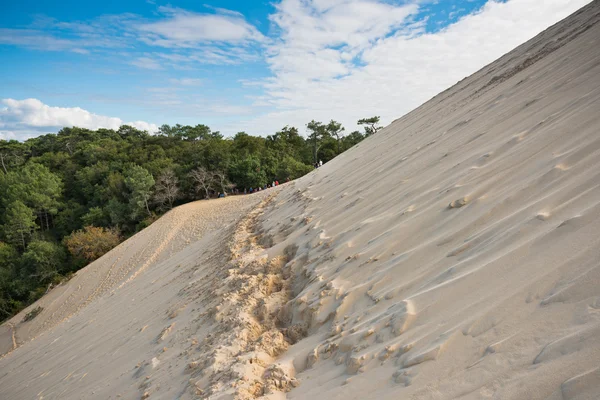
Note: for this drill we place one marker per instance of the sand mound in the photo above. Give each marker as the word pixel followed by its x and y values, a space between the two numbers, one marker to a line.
pixel 123 322
pixel 455 254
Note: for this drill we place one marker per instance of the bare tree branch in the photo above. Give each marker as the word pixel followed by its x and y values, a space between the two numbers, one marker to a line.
pixel 222 181
pixel 166 189
pixel 203 179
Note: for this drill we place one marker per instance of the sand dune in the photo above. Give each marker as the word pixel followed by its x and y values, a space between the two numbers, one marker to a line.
pixel 98 334
pixel 455 254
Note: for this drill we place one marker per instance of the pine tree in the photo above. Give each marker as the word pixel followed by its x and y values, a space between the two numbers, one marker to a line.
pixel 20 224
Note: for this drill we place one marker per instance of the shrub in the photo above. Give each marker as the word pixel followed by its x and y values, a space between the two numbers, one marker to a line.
pixel 92 242
pixel 32 314
pixel 292 168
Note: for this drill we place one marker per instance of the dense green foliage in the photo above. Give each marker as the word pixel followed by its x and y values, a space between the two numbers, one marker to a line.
pixel 67 198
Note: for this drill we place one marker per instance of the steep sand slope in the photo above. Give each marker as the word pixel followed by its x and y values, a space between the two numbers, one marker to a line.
pixel 454 254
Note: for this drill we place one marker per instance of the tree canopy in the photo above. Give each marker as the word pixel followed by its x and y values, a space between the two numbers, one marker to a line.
pixel 68 198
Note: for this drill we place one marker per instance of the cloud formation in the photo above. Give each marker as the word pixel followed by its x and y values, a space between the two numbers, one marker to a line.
pixel 219 37
pixel 39 41
pixel 346 59
pixel 20 119
pixel 321 59
pixel 187 29
pixel 186 81
pixel 146 63
pixel 321 39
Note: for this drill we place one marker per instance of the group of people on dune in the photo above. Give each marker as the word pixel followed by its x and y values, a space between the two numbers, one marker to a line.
pixel 265 187
pixel 236 191
pixel 252 189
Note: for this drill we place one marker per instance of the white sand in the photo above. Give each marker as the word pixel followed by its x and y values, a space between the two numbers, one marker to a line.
pixel 455 254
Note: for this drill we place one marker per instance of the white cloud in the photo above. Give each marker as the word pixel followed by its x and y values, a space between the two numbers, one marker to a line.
pixel 39 41
pixel 186 81
pixel 48 34
pixel 30 117
pixel 190 58
pixel 33 112
pixel 229 109
pixel 185 38
pixel 345 59
pixel 143 126
pixel 186 29
pixel 220 37
pixel 224 11
pixel 146 63
pixel 8 135
pixel 319 39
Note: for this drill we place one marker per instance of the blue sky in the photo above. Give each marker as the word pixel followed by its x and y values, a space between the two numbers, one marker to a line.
pixel 254 66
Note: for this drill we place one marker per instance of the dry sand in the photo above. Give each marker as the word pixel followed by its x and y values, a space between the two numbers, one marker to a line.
pixel 455 254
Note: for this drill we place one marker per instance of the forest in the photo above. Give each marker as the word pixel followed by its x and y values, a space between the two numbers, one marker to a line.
pixel 68 198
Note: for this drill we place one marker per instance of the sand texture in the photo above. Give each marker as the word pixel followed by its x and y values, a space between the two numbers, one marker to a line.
pixel 453 255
